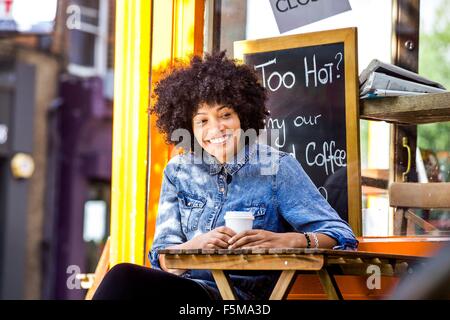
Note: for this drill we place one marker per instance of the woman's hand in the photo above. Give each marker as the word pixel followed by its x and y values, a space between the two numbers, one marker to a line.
pixel 257 238
pixel 215 239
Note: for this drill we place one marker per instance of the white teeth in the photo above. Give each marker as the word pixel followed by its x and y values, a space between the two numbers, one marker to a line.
pixel 219 140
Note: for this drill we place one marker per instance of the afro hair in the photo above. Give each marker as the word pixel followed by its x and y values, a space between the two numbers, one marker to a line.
pixel 214 79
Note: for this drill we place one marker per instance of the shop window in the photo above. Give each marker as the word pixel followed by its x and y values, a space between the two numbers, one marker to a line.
pixel 87 22
pixel 433 140
pixel 228 21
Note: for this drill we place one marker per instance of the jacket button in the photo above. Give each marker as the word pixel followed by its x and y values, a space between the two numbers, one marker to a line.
pixel 222 189
pixel 189 203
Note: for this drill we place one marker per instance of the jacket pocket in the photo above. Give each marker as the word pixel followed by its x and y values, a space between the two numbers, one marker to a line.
pixel 191 208
pixel 259 213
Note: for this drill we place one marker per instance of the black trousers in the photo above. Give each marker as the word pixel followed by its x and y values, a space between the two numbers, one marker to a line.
pixel 132 282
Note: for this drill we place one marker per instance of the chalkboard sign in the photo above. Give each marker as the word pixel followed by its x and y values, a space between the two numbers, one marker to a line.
pixel 313 101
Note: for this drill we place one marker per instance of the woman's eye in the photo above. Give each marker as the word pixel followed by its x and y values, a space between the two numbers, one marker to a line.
pixel 201 122
pixel 226 115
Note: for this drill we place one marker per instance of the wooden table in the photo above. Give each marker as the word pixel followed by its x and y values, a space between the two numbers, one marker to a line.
pixel 290 261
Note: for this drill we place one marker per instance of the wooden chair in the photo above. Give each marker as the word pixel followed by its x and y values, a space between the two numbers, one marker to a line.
pixel 100 271
pixel 426 196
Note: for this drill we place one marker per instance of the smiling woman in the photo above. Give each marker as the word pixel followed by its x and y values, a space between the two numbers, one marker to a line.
pixel 218 101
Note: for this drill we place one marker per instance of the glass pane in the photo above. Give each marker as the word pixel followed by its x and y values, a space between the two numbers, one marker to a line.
pixel 96 222
pixel 433 156
pixel 82 42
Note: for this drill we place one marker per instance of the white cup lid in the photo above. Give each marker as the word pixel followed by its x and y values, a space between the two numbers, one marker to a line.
pixel 239 215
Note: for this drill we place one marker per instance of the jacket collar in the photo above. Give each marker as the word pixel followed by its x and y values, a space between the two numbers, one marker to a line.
pixel 232 166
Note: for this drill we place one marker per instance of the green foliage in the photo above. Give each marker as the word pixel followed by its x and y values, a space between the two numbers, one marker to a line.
pixel 434 52
pixel 434 63
pixel 434 136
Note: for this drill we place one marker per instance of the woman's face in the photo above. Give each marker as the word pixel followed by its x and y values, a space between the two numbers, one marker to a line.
pixel 217 130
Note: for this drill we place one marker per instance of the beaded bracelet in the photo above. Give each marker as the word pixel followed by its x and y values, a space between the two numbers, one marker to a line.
pixel 308 240
pixel 316 240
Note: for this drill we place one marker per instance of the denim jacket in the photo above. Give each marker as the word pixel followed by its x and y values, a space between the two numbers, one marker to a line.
pixel 196 192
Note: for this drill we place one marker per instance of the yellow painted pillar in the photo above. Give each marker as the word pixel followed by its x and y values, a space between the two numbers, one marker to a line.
pixel 149 35
pixel 130 131
pixel 178 37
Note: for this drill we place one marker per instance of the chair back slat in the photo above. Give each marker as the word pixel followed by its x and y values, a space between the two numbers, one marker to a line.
pixel 420 195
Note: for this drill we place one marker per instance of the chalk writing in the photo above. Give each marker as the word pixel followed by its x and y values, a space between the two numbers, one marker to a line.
pixel 306 120
pixel 281 125
pixel 328 157
pixel 276 79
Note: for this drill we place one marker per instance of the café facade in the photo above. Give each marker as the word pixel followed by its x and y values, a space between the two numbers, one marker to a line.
pixel 375 143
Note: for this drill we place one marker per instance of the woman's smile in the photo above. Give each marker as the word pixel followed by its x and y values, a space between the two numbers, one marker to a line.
pixel 220 140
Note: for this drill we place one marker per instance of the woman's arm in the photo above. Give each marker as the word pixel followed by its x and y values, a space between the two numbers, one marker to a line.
pixel 306 210
pixel 168 229
pixel 266 239
pixel 325 242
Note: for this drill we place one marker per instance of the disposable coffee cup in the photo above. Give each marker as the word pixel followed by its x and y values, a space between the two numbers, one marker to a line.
pixel 239 220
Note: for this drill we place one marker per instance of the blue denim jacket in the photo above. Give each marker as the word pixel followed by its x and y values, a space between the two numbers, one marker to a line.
pixel 270 183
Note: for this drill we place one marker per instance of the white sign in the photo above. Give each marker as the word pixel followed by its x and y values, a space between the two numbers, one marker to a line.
pixel 94 220
pixel 291 14
pixel 3 133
